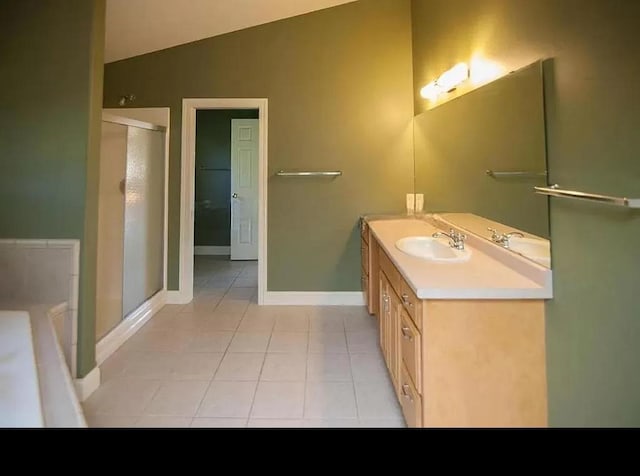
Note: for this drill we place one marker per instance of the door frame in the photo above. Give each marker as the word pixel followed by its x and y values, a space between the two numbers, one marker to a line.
pixel 187 188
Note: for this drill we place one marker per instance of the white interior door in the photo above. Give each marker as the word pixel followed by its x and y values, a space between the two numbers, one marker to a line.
pixel 244 189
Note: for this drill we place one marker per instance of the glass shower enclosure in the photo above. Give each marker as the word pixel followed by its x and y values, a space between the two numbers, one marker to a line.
pixel 130 218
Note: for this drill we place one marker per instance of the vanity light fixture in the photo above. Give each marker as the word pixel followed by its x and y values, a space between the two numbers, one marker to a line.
pixel 447 82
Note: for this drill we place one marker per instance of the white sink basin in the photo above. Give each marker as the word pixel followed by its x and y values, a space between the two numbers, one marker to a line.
pixel 433 249
pixel 537 250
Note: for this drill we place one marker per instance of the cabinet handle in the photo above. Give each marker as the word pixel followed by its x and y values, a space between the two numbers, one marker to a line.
pixel 405 392
pixel 405 300
pixel 385 300
pixel 406 333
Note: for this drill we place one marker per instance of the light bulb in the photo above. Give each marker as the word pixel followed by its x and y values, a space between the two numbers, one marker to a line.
pixel 452 78
pixel 430 91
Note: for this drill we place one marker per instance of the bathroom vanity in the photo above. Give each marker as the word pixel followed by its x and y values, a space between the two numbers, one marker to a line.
pixel 463 338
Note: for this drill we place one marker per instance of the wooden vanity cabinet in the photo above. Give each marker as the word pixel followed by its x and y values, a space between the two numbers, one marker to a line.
pixel 460 362
pixel 369 269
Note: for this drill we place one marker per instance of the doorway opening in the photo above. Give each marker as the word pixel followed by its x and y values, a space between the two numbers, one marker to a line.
pixel 223 196
pixel 226 200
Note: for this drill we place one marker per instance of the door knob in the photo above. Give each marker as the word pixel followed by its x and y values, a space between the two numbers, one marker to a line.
pixel 235 195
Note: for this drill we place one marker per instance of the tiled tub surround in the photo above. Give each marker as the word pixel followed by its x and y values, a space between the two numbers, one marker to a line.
pixel 39 280
pixel 20 404
pixel 224 361
pixel 57 406
pixel 44 272
pixel 60 404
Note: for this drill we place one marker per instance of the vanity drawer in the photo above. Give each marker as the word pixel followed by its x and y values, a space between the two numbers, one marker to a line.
pixel 364 253
pixel 410 349
pixel 390 270
pixel 410 400
pixel 411 303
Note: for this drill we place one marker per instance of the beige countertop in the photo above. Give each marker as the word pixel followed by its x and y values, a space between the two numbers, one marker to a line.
pixel 489 273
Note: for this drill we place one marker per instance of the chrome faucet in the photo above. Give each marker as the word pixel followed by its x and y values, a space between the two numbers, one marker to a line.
pixel 503 238
pixel 456 240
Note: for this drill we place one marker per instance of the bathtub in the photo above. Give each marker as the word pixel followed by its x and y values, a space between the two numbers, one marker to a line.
pixel 36 388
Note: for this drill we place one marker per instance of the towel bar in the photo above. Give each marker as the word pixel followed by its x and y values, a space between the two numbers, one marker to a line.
pixel 282 173
pixel 556 191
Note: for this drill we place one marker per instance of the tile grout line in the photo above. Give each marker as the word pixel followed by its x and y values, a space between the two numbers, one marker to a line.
pixel 355 392
pixel 306 373
pixel 204 394
pixel 149 402
pixel 224 354
pixel 255 392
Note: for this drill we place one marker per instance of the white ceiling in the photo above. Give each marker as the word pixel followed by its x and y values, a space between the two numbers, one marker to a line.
pixel 135 27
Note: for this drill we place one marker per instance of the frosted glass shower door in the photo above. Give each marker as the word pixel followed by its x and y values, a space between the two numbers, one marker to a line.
pixel 143 218
pixel 113 164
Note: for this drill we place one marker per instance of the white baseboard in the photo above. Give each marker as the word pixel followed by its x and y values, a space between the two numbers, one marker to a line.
pixel 118 336
pixel 212 250
pixel 278 298
pixel 87 385
pixel 178 297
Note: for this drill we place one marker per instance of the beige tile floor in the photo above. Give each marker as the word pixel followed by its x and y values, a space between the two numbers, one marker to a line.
pixel 224 361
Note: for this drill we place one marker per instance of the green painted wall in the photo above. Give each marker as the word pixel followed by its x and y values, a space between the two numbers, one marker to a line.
pixel 339 86
pixel 50 90
pixel 593 106
pixel 212 222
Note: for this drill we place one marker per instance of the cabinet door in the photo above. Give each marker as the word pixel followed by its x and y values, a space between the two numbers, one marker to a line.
pixel 383 311
pixel 393 336
pixel 364 270
pixel 370 270
pixel 364 255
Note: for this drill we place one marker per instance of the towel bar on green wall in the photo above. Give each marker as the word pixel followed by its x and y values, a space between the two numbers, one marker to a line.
pixel 556 191
pixel 336 173
pixel 494 174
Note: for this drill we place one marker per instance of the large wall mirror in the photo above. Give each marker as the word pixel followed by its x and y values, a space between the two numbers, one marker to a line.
pixel 478 157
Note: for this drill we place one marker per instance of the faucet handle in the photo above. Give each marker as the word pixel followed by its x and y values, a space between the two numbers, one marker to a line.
pixel 495 236
pixel 455 234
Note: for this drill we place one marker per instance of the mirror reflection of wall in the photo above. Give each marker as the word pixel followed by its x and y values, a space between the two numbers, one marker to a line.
pixel 498 127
